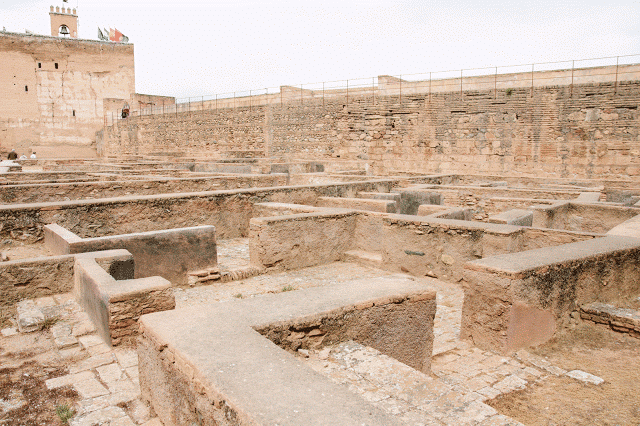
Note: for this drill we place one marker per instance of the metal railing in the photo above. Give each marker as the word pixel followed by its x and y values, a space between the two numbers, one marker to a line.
pixel 370 89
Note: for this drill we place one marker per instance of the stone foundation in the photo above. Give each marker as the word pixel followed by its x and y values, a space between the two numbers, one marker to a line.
pixel 233 375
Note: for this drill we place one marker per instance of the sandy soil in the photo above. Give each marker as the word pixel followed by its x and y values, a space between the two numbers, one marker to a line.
pixel 615 357
pixel 15 252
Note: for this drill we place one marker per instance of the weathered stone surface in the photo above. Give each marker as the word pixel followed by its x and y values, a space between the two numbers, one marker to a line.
pixel 69 379
pixel 516 300
pixel 115 305
pixel 9 331
pixel 90 388
pixel 301 240
pixel 583 376
pixel 30 317
pixel 384 206
pixel 513 217
pixel 489 136
pixel 275 316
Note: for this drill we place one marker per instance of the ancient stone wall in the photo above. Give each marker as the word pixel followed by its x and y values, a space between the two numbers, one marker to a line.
pixel 584 131
pixel 52 91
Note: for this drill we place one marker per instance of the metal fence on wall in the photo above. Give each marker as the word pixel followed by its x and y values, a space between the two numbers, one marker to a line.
pixel 613 69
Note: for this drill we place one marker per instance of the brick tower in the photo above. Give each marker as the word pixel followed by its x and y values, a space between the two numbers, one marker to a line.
pixel 64 22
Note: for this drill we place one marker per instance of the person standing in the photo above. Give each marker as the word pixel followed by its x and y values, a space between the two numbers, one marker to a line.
pixel 13 155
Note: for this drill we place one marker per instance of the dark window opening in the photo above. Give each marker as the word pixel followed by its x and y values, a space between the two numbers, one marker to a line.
pixel 56 64
pixel 39 64
pixel 74 112
pixel 26 88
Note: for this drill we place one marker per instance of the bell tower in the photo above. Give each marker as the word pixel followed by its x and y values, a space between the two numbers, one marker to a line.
pixel 64 22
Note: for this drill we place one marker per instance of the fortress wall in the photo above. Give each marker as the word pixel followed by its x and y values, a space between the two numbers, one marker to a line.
pixel 579 131
pixel 57 110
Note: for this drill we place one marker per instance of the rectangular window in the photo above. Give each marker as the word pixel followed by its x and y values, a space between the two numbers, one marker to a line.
pixel 39 64
pixel 74 112
pixel 26 88
pixel 56 64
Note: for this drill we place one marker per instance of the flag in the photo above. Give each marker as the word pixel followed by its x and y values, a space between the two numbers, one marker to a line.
pixel 101 35
pixel 117 36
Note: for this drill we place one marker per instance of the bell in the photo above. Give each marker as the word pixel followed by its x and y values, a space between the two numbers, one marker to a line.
pixel 64 31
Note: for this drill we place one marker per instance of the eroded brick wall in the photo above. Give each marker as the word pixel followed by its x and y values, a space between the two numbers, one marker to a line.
pixel 588 130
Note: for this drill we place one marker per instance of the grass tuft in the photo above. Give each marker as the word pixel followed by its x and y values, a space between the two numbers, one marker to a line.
pixel 65 413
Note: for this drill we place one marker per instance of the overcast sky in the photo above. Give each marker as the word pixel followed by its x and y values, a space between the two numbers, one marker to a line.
pixel 193 48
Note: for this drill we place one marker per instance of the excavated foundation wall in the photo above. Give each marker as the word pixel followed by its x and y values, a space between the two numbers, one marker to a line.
pixel 583 131
pixel 229 211
pixel 32 193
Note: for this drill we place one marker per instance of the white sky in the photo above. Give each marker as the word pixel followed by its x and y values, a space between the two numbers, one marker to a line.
pixel 194 48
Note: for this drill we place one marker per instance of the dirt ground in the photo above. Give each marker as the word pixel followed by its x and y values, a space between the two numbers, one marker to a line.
pixel 24 398
pixel 17 251
pixel 615 357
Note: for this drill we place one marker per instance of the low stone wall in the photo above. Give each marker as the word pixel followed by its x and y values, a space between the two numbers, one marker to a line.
pixel 430 209
pixel 534 182
pixel 439 247
pixel 298 236
pixel 497 205
pixel 33 278
pixel 519 300
pixel 628 228
pixel 229 211
pixel 454 213
pixel 464 195
pixel 301 240
pixel 282 209
pixel 574 216
pixel 534 238
pixel 518 217
pixel 384 206
pixel 619 319
pixel 391 196
pixel 87 173
pixel 41 277
pixel 232 374
pixel 117 188
pixel 114 306
pixel 411 200
pixel 168 253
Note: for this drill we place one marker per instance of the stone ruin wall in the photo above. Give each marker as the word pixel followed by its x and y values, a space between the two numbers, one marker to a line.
pixel 582 131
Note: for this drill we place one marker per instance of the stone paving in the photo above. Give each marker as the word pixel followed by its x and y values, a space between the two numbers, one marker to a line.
pixel 463 377
pixel 106 379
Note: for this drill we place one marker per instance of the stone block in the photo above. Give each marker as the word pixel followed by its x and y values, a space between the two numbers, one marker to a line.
pixel 583 376
pixel 30 317
pixel 513 217
pixel 410 200
pixel 301 240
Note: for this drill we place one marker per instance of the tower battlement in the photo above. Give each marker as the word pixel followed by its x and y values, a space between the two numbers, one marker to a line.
pixel 64 22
